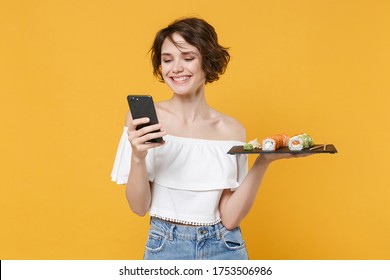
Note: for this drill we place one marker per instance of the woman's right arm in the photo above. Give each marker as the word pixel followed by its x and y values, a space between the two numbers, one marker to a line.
pixel 138 186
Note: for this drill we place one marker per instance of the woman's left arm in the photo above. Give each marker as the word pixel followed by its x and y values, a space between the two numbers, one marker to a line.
pixel 235 205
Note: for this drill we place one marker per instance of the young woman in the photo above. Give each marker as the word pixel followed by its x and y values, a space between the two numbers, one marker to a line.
pixel 195 193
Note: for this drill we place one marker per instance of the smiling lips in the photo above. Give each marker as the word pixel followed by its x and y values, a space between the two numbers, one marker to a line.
pixel 180 78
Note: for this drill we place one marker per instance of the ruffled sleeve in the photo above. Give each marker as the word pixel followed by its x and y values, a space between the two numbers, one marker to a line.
pixel 121 169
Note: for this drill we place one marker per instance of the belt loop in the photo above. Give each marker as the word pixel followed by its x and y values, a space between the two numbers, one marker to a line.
pixel 217 232
pixel 171 232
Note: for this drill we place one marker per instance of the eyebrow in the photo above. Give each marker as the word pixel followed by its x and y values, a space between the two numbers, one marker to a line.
pixel 183 53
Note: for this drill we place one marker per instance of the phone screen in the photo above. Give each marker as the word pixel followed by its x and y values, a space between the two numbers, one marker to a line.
pixel 143 106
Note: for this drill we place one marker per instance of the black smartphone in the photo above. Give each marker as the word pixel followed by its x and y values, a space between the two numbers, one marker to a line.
pixel 143 106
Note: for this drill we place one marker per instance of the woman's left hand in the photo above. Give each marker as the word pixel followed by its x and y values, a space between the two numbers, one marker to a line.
pixel 271 157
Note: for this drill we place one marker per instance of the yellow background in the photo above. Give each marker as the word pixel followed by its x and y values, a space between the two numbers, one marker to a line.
pixel 320 67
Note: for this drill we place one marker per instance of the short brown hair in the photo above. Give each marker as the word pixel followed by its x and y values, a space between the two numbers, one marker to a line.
pixel 200 34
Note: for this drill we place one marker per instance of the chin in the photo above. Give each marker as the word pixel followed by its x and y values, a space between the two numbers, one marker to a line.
pixel 182 92
pixel 184 89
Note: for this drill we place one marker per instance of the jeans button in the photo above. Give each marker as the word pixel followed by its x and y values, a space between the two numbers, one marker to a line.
pixel 204 231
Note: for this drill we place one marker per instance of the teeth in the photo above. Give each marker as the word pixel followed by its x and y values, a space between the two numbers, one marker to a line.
pixel 180 79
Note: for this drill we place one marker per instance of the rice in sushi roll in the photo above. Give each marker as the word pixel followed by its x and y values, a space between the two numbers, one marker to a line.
pixel 274 142
pixel 300 141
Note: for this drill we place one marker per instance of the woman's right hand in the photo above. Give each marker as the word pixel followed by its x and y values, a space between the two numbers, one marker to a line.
pixel 138 138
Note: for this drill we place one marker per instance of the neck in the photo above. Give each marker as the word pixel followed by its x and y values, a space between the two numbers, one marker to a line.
pixel 190 107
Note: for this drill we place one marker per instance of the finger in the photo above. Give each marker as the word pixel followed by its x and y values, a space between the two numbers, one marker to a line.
pixel 139 136
pixel 153 135
pixel 151 145
pixel 139 121
pixel 132 135
pixel 295 155
pixel 304 154
pixel 149 129
pixel 279 156
pixel 142 148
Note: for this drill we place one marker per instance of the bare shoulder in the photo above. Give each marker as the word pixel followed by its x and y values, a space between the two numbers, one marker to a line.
pixel 231 128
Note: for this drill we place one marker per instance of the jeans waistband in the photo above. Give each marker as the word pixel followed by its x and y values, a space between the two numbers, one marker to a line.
pixel 187 232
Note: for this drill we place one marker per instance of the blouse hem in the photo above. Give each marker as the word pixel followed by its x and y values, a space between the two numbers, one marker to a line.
pixel 172 220
pixel 196 187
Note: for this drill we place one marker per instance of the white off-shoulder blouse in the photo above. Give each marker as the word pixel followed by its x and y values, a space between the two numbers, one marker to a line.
pixel 187 176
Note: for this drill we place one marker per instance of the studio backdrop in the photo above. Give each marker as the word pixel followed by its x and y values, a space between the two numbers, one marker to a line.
pixel 320 67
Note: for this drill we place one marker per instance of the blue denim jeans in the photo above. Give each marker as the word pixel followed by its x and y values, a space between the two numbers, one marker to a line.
pixel 168 241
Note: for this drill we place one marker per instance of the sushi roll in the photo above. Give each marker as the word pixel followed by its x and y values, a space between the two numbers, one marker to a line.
pixel 274 142
pixel 300 141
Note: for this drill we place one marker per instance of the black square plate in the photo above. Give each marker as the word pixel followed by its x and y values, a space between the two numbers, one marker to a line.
pixel 330 149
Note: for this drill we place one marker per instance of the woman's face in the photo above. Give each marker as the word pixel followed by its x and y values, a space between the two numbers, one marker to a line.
pixel 181 66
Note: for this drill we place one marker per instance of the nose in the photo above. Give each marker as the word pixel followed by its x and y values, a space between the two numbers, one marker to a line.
pixel 177 67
